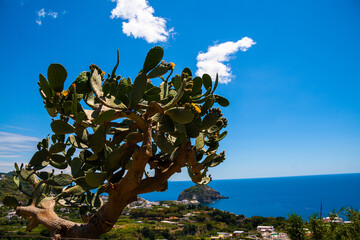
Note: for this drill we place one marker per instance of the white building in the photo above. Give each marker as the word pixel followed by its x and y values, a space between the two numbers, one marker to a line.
pixel 334 220
pixel 11 215
pixel 169 222
pixel 224 234
pixel 265 229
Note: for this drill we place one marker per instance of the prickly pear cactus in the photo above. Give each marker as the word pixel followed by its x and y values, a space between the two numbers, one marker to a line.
pixel 98 124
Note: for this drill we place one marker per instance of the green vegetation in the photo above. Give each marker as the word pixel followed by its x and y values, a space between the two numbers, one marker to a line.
pixel 8 187
pixel 332 228
pixel 296 227
pixel 108 130
pixel 196 222
pixel 187 222
pixel 202 193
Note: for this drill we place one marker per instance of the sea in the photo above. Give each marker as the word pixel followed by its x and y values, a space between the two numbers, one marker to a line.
pixel 280 196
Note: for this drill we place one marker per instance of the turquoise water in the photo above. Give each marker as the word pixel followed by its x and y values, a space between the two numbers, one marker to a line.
pixel 278 196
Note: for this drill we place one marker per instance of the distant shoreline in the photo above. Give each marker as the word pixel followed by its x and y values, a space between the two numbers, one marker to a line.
pixel 230 179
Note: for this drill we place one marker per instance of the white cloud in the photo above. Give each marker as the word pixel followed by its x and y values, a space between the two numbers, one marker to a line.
pixel 10 156
pixel 16 127
pixel 212 62
pixel 13 145
pixel 42 14
pixel 15 148
pixel 53 14
pixel 6 164
pixel 141 23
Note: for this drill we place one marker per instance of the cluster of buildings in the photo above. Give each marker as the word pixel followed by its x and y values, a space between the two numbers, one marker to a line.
pixel 194 201
pixel 11 215
pixel 225 235
pixel 143 203
pixel 268 232
pixel 335 220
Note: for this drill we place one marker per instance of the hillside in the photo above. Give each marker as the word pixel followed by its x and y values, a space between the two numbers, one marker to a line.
pixel 8 187
pixel 202 193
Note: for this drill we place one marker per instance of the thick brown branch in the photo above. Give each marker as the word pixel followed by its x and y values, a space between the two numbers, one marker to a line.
pixel 132 116
pixel 139 160
pixel 158 182
pixel 120 194
pixel 99 223
pixel 46 217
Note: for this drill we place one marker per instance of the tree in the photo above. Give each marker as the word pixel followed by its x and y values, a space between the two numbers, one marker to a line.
pixel 110 133
pixel 353 229
pixel 318 227
pixel 295 228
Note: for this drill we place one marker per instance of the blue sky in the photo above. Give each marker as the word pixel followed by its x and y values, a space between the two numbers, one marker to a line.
pixel 293 82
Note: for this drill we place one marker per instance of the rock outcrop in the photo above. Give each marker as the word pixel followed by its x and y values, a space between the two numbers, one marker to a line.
pixel 201 193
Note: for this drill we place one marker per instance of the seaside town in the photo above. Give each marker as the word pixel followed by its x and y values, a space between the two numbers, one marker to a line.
pixel 266 232
pixel 192 216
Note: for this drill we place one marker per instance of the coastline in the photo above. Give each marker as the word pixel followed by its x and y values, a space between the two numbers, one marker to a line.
pixel 272 197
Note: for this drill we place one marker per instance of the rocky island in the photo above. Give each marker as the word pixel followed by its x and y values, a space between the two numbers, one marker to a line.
pixel 202 193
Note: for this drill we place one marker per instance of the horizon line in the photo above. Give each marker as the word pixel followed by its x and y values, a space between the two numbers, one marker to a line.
pixel 308 175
